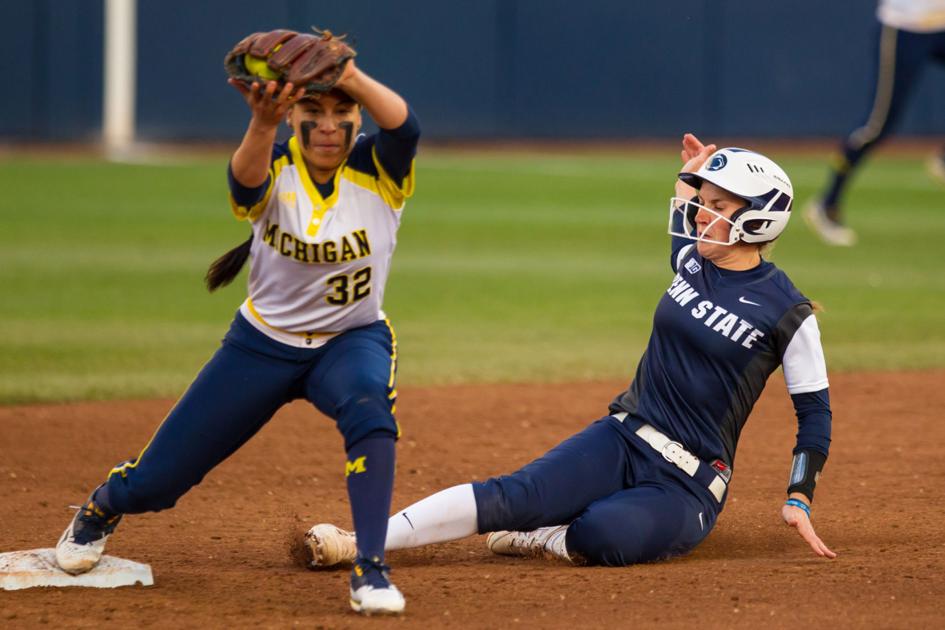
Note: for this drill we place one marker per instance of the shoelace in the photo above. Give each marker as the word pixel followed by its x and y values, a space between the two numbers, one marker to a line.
pixel 95 522
pixel 367 565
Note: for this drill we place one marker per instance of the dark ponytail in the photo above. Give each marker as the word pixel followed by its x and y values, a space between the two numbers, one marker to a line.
pixel 226 267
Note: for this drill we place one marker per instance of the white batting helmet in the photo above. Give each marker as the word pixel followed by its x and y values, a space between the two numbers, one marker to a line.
pixel 759 181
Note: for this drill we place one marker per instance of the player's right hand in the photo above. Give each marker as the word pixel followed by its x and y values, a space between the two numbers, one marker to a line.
pixel 269 108
pixel 798 519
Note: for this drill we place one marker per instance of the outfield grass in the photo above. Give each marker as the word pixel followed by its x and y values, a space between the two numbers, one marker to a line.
pixel 510 267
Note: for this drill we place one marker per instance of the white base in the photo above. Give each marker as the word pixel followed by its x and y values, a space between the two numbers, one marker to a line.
pixel 37 567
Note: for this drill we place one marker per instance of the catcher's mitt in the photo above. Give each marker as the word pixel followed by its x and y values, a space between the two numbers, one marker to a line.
pixel 314 62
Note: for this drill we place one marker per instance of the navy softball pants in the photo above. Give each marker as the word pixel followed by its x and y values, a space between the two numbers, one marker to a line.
pixel 624 502
pixel 350 379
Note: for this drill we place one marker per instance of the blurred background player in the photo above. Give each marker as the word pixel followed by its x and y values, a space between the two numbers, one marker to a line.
pixel 911 33
pixel 325 207
pixel 649 480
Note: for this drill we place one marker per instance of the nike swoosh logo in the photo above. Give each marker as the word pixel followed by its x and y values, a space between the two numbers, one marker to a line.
pixel 744 301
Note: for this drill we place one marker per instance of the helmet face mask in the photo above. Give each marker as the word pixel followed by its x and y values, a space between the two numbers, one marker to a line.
pixel 688 208
pixel 754 178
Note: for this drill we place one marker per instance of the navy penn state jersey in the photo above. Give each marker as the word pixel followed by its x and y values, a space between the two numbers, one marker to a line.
pixel 717 337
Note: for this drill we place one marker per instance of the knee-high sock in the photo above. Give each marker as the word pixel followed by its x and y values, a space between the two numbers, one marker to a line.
pixel 840 172
pixel 447 515
pixel 370 472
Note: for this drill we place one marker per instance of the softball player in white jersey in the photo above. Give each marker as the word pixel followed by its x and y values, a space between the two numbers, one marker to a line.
pixel 911 33
pixel 324 208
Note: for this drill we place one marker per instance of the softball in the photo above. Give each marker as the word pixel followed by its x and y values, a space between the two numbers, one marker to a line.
pixel 259 68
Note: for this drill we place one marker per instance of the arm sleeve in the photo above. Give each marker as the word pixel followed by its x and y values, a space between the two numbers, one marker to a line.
pixel 250 203
pixel 813 421
pixel 242 195
pixel 396 148
pixel 813 441
pixel 805 373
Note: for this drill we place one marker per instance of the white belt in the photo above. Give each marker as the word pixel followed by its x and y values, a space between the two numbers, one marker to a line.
pixel 675 453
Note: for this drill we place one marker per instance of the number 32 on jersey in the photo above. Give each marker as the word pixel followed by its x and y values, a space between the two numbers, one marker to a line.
pixel 348 288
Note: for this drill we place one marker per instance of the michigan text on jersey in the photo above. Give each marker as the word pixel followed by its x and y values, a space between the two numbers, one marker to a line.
pixel 341 251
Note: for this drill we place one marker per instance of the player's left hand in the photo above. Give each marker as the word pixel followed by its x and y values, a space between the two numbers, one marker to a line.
pixel 797 518
pixel 693 154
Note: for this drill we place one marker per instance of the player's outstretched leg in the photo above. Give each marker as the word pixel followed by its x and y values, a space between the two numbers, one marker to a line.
pixel 553 489
pixel 82 544
pixel 234 395
pixel 449 514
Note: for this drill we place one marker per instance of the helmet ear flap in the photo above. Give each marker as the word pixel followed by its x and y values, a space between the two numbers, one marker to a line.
pixel 736 224
pixel 761 227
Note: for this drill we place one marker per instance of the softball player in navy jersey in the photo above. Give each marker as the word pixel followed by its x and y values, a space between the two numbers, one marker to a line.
pixel 649 480
pixel 911 34
pixel 324 209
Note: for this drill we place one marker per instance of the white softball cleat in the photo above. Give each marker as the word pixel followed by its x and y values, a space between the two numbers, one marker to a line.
pixel 829 230
pixel 330 545
pixel 936 167
pixel 372 592
pixel 544 542
pixel 82 544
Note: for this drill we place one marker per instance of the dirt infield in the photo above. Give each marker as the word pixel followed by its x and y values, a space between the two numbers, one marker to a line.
pixel 221 558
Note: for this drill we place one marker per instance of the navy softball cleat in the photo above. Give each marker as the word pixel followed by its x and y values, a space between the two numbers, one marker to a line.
pixel 371 590
pixel 82 544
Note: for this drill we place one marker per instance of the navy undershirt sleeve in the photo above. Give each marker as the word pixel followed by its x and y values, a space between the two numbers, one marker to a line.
pixel 677 242
pixel 396 148
pixel 246 196
pixel 813 420
pixel 243 195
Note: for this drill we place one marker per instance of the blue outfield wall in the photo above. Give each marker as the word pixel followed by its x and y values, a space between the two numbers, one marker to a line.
pixel 51 59
pixel 479 68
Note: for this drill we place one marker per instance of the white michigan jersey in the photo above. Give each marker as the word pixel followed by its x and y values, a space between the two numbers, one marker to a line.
pixel 917 16
pixel 320 264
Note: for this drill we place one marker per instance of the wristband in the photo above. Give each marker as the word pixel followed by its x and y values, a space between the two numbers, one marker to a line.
pixel 805 472
pixel 799 504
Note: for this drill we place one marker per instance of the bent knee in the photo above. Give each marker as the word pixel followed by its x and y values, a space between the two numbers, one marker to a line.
pixel 366 415
pixel 507 503
pixel 615 543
